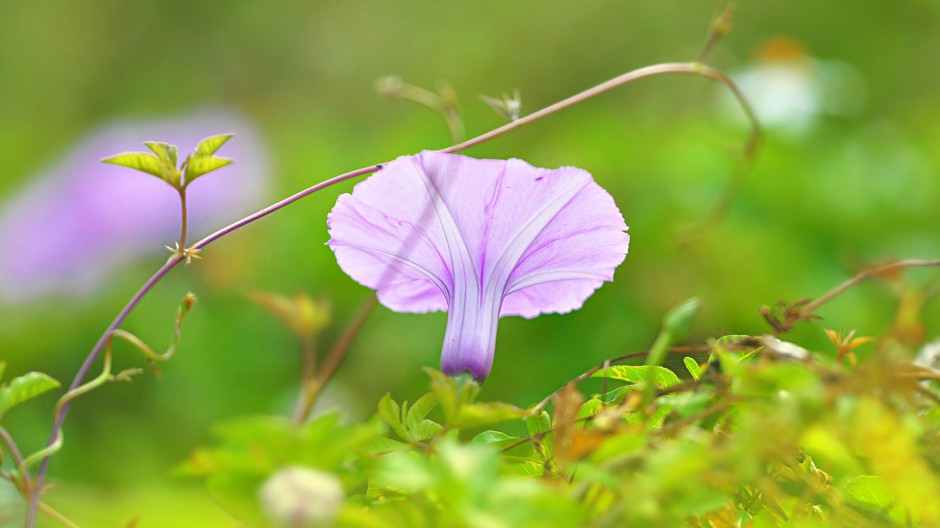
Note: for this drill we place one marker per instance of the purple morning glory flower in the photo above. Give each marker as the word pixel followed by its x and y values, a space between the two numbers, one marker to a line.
pixel 480 239
pixel 72 226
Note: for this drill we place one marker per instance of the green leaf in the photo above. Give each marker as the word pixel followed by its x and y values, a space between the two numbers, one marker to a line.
pixel 211 144
pixel 258 445
pixel 662 376
pixel 525 467
pixel 382 445
pixel 693 367
pixel 734 343
pixel 3 367
pixel 145 163
pixel 621 446
pixel 616 395
pixel 538 424
pixel 250 449
pixel 445 392
pixel 405 470
pixel 418 427
pixel 390 413
pixel 685 404
pixel 514 449
pixel 456 397
pixel 481 414
pixel 420 409
pixel 467 388
pixel 589 408
pixel 870 490
pixel 23 388
pixel 678 321
pixel 166 152
pixel 425 430
pixel 493 437
pixel 200 165
pixel 676 325
pixel 237 493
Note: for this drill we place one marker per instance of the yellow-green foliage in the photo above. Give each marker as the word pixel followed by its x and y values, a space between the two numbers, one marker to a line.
pixel 757 439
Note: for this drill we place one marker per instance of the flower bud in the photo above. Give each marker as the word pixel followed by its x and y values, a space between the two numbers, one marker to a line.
pixel 297 497
pixel 390 85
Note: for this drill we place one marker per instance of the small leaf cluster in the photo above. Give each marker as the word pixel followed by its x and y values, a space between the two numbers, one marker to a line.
pixel 162 161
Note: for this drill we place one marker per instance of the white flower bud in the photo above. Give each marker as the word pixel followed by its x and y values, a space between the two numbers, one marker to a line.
pixel 297 497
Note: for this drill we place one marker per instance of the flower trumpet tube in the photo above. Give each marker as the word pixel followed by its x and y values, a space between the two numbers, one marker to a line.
pixel 479 238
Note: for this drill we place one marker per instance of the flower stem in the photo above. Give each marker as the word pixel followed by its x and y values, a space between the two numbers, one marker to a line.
pixel 58 517
pixel 687 68
pixel 308 372
pixel 62 411
pixel 334 358
pixel 184 221
pixel 11 446
pixel 871 272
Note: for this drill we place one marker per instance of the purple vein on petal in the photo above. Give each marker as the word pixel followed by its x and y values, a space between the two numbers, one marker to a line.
pixel 488 215
pixel 465 285
pixel 391 256
pixel 520 243
pixel 440 281
pixel 534 279
pixel 452 235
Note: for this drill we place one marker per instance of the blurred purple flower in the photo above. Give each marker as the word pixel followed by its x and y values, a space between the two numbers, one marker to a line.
pixel 480 239
pixel 80 220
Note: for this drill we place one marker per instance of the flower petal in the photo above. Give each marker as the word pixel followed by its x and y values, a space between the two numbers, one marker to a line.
pixel 479 238
pixel 545 239
pixel 388 235
pixel 575 253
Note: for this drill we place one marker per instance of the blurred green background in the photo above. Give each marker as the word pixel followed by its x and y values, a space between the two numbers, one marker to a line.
pixel 821 202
